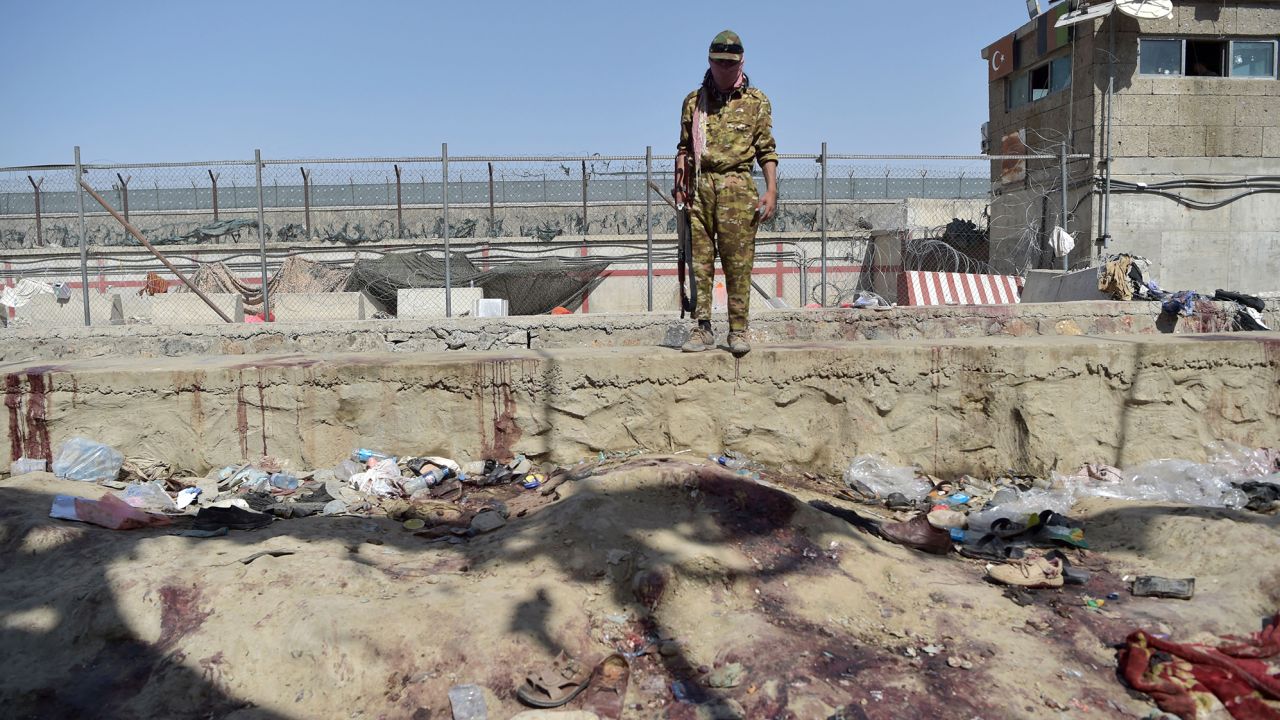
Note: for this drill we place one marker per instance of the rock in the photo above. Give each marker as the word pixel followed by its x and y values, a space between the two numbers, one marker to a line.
pixel 726 676
pixel 487 521
pixel 334 507
pixel 555 715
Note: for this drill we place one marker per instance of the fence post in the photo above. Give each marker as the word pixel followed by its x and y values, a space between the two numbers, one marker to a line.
pixel 84 241
pixel 306 202
pixel 584 198
pixel 124 194
pixel 399 205
pixel 213 178
pixel 35 187
pixel 448 265
pixel 648 226
pixel 493 222
pixel 822 208
pixel 262 235
pixel 1062 218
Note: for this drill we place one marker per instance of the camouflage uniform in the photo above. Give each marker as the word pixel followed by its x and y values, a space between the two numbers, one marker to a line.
pixel 722 211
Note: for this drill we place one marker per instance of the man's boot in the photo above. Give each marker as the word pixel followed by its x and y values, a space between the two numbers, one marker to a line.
pixel 702 338
pixel 738 344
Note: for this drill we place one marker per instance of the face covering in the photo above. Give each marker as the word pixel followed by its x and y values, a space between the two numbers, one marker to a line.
pixel 726 78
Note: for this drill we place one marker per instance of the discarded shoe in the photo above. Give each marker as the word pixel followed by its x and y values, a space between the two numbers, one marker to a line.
pixel 1176 588
pixel 918 534
pixel 738 344
pixel 608 687
pixel 212 518
pixel 945 519
pixel 555 685
pixel 700 339
pixel 1035 572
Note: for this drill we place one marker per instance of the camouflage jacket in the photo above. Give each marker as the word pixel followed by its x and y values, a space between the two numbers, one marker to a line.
pixel 739 130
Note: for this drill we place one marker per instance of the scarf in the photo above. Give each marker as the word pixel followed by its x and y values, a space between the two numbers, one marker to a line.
pixel 731 77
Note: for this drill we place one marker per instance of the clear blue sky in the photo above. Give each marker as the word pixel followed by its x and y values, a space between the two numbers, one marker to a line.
pixel 169 81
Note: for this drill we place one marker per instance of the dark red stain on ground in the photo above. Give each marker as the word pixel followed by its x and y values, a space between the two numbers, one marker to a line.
pixel 180 614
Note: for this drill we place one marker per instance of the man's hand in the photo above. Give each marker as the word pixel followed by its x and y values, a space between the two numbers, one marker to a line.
pixel 767 205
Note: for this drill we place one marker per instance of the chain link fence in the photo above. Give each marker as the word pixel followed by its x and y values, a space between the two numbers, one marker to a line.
pixel 344 239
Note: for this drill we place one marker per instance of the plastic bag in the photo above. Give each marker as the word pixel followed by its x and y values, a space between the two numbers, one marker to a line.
pixel 148 496
pixel 1242 462
pixel 1058 497
pixel 1175 481
pixel 872 475
pixel 382 479
pixel 109 512
pixel 83 459
pixel 24 465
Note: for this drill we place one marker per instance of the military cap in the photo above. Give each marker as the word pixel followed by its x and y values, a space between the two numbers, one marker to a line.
pixel 726 46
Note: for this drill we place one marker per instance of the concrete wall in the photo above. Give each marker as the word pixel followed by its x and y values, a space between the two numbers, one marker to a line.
pixel 952 406
pixel 648 330
pixel 1163 129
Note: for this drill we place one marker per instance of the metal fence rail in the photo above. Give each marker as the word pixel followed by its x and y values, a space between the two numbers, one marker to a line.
pixel 251 215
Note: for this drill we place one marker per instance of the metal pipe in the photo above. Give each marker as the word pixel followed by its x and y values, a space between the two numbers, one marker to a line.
pixel 164 260
pixel 648 227
pixel 306 201
pixel 399 205
pixel 262 237
pixel 823 226
pixel 124 193
pixel 1062 216
pixel 35 187
pixel 84 241
pixel 584 198
pixel 493 222
pixel 1111 90
pixel 213 178
pixel 448 265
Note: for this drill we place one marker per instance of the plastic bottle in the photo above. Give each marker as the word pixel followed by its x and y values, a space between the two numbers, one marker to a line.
pixel 428 479
pixel 733 463
pixel 364 455
pixel 284 481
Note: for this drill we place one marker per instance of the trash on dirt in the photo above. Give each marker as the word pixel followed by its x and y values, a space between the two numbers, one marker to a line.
pixel 193 533
pixel 186 496
pixel 1184 678
pixel 264 553
pixel 109 512
pixel 874 476
pixel 918 534
pixel 1031 572
pixel 467 702
pixel 24 465
pixel 236 518
pixel 1158 587
pixel 82 459
pixel 487 521
pixel 149 496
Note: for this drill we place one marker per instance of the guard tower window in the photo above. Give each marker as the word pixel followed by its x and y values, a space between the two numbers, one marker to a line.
pixel 1206 58
pixel 1185 57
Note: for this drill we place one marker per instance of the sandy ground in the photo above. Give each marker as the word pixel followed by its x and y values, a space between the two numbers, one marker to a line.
pixel 367 620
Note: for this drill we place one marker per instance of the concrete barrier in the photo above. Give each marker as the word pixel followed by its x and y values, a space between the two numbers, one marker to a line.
pixel 131 305
pixel 311 307
pixel 47 311
pixel 1056 286
pixel 187 308
pixel 429 302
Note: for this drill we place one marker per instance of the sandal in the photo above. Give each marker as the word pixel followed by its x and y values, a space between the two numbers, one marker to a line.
pixel 608 687
pixel 556 685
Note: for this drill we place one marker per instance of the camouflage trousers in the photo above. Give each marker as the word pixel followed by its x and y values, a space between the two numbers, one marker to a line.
pixel 722 217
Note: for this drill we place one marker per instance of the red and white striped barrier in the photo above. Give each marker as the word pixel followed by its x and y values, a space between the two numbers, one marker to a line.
pixel 916 287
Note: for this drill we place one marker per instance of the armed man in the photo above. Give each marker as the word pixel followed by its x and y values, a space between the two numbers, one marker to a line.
pixel 726 125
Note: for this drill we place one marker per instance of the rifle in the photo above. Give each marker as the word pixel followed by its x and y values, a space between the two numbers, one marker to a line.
pixel 684 234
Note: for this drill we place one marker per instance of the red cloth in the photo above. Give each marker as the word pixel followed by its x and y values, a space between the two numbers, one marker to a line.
pixel 1191 679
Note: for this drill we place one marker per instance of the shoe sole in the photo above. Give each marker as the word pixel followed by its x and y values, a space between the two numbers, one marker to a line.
pixel 704 348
